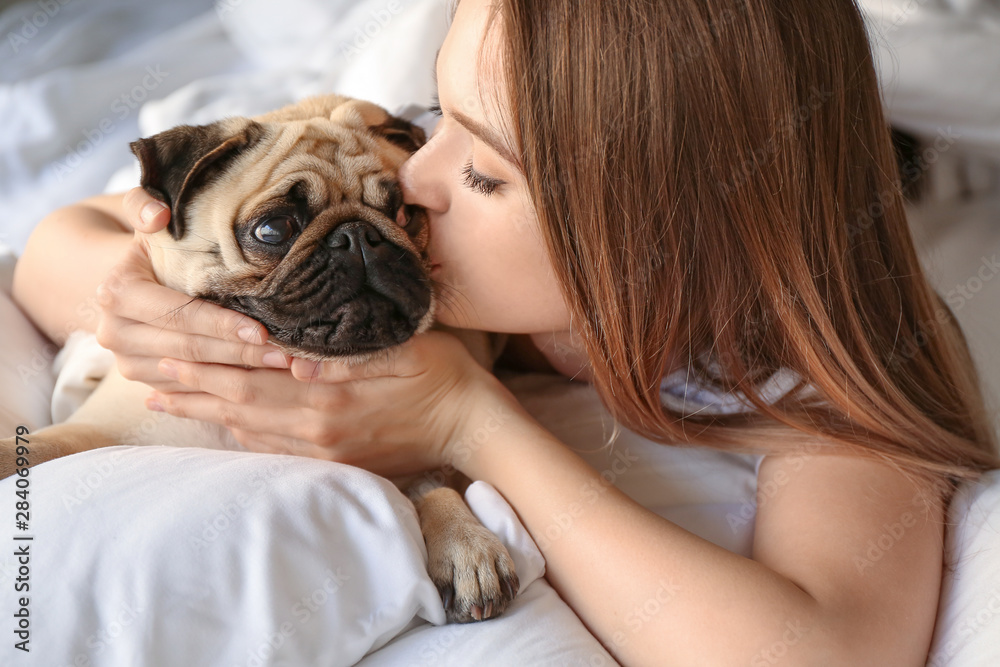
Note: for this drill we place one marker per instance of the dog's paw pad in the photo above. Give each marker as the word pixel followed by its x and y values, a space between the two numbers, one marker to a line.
pixel 473 572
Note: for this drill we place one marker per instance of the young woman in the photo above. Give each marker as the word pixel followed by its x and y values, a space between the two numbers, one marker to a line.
pixel 630 188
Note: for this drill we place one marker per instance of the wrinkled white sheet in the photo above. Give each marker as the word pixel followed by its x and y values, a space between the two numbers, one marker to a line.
pixel 99 74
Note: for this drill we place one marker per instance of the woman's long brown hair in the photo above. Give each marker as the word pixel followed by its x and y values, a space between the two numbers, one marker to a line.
pixel 716 177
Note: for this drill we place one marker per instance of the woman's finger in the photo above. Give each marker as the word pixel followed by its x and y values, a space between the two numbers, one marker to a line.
pixel 152 303
pixel 145 213
pixel 209 408
pixel 145 370
pixel 158 342
pixel 259 388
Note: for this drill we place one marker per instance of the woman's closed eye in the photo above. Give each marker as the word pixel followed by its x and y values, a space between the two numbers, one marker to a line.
pixel 480 183
pixel 476 181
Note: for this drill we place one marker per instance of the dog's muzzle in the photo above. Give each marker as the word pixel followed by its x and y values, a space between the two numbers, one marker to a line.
pixel 356 292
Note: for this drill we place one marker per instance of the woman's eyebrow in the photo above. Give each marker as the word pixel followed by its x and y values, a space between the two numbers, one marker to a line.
pixel 485 133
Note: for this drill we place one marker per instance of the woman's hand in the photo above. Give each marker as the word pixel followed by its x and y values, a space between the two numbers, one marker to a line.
pixel 142 321
pixel 411 410
pixel 403 413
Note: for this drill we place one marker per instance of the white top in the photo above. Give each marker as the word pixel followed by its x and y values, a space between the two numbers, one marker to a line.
pixel 709 492
pixel 679 392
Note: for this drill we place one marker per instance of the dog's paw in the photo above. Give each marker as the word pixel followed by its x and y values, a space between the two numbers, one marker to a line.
pixel 473 572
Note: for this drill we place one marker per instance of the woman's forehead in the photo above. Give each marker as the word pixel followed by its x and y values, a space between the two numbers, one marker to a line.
pixel 459 57
pixel 469 72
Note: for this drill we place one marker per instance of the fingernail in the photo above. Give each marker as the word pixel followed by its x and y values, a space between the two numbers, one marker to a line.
pixel 250 335
pixel 274 359
pixel 153 404
pixel 168 369
pixel 150 211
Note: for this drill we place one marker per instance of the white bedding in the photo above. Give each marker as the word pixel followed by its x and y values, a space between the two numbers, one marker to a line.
pixel 117 577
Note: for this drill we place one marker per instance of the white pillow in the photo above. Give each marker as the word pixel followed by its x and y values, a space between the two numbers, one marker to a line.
pixel 189 556
pixel 162 556
pixel 968 625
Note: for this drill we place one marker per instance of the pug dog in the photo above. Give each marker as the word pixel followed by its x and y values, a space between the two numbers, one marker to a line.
pixel 296 219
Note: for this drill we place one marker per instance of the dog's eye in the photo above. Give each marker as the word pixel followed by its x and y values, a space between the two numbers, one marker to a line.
pixel 276 230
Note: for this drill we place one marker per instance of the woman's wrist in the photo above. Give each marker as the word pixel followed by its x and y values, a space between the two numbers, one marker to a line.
pixel 493 416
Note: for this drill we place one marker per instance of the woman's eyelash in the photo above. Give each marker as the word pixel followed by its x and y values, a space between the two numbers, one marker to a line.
pixel 436 107
pixel 480 183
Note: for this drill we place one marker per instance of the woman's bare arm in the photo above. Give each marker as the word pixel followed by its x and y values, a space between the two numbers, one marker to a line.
pixel 66 258
pixel 846 563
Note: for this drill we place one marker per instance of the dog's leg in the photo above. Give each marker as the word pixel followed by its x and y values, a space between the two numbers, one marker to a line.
pixel 50 443
pixel 469 565
pixel 114 414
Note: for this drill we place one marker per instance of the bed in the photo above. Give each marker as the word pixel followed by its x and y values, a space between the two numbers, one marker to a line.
pixel 189 555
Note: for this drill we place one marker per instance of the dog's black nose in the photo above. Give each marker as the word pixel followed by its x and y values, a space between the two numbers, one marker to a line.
pixel 353 236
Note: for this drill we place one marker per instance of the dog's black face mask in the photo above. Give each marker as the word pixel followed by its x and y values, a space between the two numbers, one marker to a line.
pixel 339 287
pixel 310 235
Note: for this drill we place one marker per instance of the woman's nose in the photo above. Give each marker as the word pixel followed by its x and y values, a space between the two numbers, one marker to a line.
pixel 422 180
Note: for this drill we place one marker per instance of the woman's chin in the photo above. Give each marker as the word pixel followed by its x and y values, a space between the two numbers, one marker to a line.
pixel 444 315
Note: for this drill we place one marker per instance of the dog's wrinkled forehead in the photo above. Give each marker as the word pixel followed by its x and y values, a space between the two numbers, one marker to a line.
pixel 328 149
pixel 323 163
pixel 334 151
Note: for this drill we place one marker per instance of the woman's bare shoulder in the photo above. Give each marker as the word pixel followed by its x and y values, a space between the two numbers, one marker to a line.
pixel 863 538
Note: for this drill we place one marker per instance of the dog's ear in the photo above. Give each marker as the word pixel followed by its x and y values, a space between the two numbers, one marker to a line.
pixel 397 131
pixel 403 133
pixel 180 161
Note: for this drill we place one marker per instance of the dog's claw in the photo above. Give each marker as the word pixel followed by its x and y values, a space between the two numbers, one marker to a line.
pixel 473 573
pixel 510 586
pixel 447 595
